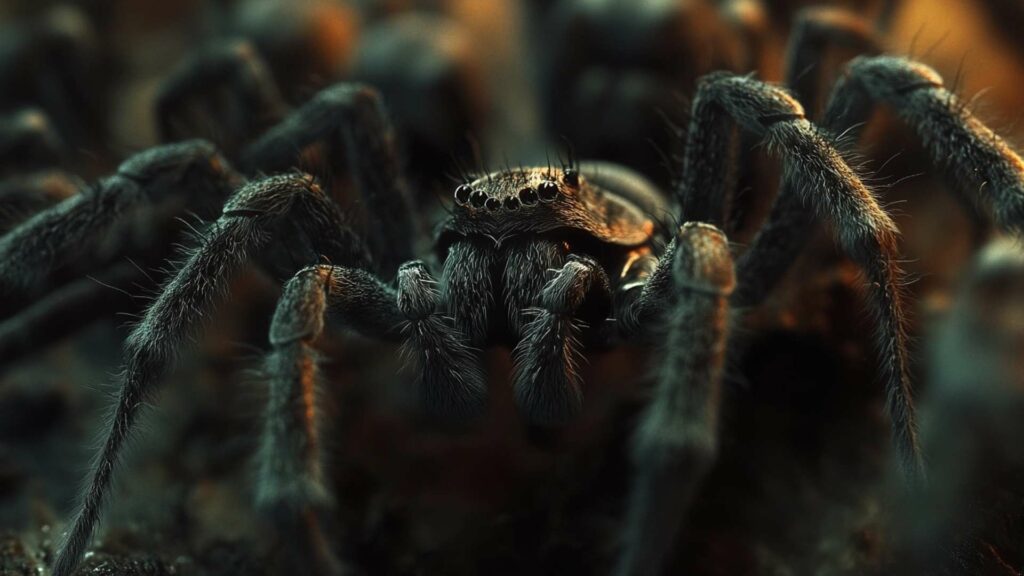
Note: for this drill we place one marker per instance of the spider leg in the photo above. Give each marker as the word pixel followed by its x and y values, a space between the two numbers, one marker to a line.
pixel 57 235
pixel 468 287
pixel 23 196
pixel 225 93
pixel 547 382
pixel 863 229
pixel 244 230
pixel 817 31
pixel 981 164
pixel 677 438
pixel 67 309
pixel 355 115
pixel 449 379
pixel 291 488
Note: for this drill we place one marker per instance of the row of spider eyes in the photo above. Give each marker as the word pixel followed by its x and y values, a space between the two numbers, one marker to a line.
pixel 547 191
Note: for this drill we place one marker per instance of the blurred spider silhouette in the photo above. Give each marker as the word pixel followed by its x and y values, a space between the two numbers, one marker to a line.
pixel 550 261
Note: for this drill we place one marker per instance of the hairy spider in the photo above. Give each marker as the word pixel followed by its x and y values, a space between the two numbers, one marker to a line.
pixel 547 261
pixel 550 262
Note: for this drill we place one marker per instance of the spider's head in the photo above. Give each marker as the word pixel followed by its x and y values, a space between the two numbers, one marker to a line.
pixel 195 164
pixel 538 200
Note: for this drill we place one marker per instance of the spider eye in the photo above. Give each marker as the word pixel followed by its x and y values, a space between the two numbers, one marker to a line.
pixel 477 199
pixel 548 191
pixel 493 204
pixel 571 177
pixel 462 194
pixel 512 203
pixel 528 196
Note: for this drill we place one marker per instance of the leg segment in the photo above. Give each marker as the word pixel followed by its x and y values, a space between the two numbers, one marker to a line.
pixel 54 236
pixel 818 32
pixel 980 163
pixel 67 309
pixel 291 488
pixel 21 197
pixel 547 380
pixel 449 378
pixel 353 115
pixel 677 440
pixel 529 265
pixel 246 226
pixel 225 93
pixel 467 288
pixel 866 233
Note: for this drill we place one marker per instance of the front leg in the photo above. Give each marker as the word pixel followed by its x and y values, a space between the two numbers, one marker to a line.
pixel 449 379
pixel 677 439
pixel 290 489
pixel 547 379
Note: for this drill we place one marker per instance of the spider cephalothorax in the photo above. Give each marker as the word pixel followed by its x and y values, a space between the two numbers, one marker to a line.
pixel 548 262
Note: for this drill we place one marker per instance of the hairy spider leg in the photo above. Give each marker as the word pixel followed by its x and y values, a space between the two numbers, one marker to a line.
pixel 817 31
pixel 789 225
pixel 983 167
pixel 547 382
pixel 863 229
pixel 225 93
pixel 30 251
pixel 23 196
pixel 63 311
pixel 448 380
pixel 290 463
pixel 251 222
pixel 984 170
pixel 677 438
pixel 40 306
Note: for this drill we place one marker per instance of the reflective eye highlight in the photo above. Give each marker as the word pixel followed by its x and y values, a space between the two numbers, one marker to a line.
pixel 477 199
pixel 462 194
pixel 528 196
pixel 571 177
pixel 548 191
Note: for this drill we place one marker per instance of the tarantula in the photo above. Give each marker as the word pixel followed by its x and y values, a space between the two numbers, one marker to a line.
pixel 547 261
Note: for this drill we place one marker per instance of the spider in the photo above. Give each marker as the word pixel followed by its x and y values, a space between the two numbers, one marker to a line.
pixel 550 262
pixel 547 261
